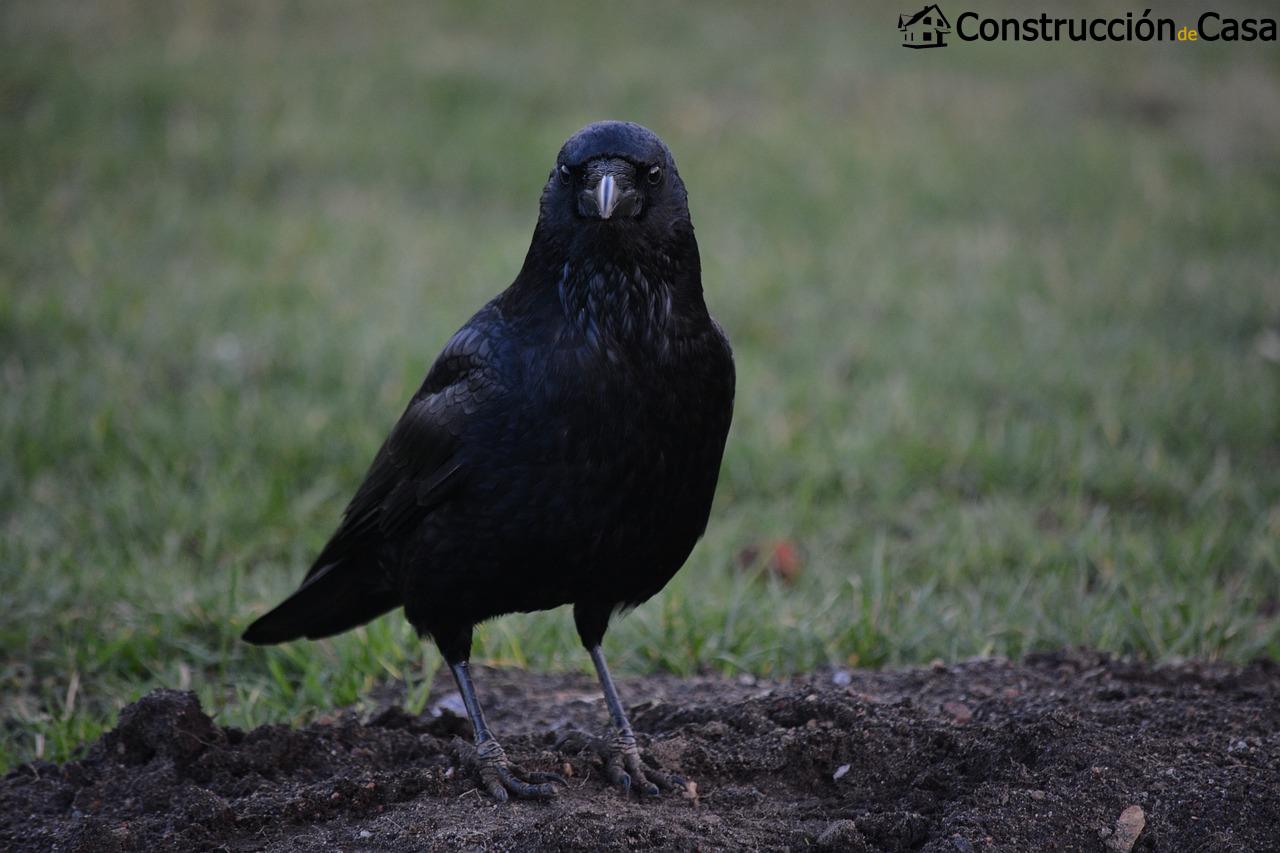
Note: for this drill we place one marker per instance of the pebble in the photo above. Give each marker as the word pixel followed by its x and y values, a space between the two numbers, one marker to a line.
pixel 1128 827
pixel 451 703
pixel 840 771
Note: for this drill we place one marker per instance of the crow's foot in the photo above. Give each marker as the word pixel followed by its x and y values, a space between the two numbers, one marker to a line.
pixel 624 766
pixel 502 779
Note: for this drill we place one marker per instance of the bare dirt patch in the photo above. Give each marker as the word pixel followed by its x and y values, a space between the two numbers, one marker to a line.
pixel 1068 751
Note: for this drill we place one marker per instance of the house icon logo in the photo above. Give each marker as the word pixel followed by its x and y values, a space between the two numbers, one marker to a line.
pixel 926 28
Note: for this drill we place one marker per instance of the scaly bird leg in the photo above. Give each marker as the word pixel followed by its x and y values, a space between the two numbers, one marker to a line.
pixel 622 765
pixel 496 773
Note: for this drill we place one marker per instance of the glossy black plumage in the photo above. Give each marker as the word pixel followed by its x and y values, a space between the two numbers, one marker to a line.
pixel 564 447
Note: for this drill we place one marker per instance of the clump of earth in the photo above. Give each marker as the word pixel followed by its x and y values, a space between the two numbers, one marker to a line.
pixel 1066 751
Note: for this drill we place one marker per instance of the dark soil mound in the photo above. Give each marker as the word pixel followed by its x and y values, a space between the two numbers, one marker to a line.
pixel 1064 752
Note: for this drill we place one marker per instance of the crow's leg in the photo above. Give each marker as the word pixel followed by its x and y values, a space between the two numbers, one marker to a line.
pixel 622 763
pixel 498 775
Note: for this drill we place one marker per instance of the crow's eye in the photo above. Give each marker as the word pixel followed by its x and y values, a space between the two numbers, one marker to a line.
pixel 655 175
pixel 566 176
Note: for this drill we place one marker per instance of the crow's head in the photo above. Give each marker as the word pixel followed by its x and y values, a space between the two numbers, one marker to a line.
pixel 614 244
pixel 615 178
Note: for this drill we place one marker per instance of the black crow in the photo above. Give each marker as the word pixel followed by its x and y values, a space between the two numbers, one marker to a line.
pixel 563 449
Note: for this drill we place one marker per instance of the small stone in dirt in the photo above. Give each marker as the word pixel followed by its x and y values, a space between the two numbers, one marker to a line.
pixel 840 771
pixel 1128 827
pixel 364 833
pixel 451 703
pixel 959 712
pixel 841 678
pixel 842 835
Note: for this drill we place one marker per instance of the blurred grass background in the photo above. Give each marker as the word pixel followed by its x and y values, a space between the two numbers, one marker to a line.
pixel 1007 322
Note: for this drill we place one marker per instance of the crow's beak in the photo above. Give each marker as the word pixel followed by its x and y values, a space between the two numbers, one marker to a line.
pixel 610 190
pixel 607 196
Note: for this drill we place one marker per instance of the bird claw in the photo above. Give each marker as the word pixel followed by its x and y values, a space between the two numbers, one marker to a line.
pixel 624 767
pixel 502 779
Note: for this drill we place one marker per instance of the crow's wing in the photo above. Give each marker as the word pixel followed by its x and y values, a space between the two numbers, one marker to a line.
pixel 418 467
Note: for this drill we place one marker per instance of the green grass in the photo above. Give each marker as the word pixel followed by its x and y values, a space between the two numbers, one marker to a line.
pixel 1006 320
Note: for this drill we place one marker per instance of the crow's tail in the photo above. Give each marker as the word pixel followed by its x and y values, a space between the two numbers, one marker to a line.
pixel 332 599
